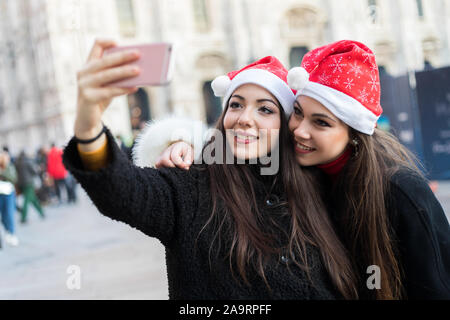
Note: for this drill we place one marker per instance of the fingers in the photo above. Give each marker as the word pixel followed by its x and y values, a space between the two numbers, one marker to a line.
pixel 102 78
pixel 96 95
pixel 164 161
pixel 189 157
pixel 99 47
pixel 182 155
pixel 109 61
pixel 176 155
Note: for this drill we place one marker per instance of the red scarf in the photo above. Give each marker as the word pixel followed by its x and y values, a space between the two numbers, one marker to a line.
pixel 333 168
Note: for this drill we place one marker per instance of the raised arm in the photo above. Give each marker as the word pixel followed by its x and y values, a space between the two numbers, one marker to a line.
pixel 94 96
pixel 157 202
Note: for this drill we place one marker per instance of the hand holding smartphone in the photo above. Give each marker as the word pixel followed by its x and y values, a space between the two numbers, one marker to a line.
pixel 155 63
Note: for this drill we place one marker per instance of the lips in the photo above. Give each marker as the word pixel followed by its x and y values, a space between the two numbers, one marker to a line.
pixel 244 137
pixel 303 149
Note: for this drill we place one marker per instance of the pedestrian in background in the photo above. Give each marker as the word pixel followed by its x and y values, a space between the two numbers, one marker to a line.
pixel 46 190
pixel 27 173
pixel 57 172
pixel 8 178
pixel 72 188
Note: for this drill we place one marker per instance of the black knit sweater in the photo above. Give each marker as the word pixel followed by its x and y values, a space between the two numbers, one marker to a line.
pixel 173 205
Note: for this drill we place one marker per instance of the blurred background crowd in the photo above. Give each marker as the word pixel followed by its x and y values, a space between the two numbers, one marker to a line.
pixel 37 180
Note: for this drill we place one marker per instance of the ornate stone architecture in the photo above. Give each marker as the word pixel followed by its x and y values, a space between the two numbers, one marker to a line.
pixel 44 42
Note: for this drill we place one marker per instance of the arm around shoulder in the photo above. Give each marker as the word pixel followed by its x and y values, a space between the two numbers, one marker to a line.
pixel 159 134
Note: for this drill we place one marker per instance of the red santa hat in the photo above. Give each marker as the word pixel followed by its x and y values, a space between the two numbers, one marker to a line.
pixel 267 72
pixel 344 77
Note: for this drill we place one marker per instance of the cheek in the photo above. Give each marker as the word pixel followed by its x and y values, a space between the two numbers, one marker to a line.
pixel 271 126
pixel 292 124
pixel 336 143
pixel 228 120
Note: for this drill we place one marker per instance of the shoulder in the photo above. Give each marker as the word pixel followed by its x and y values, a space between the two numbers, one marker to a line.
pixel 410 193
pixel 410 184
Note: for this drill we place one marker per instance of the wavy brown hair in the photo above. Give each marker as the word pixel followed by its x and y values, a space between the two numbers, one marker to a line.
pixel 251 241
pixel 360 196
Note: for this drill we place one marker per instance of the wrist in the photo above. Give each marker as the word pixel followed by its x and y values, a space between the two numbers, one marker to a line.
pixel 87 132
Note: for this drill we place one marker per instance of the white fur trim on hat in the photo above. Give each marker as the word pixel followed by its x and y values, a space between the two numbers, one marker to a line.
pixel 297 78
pixel 346 108
pixel 220 85
pixel 158 135
pixel 267 80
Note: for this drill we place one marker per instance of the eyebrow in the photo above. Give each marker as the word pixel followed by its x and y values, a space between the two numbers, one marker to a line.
pixel 322 115
pixel 259 100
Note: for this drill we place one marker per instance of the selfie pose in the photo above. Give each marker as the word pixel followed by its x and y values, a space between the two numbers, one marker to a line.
pixel 229 231
pixel 381 206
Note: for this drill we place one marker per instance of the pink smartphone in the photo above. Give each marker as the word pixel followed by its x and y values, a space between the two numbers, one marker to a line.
pixel 156 64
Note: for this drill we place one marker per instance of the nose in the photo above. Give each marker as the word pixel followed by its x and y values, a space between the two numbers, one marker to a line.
pixel 246 117
pixel 302 131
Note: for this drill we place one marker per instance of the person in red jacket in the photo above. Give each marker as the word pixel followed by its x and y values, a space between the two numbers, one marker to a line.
pixel 58 172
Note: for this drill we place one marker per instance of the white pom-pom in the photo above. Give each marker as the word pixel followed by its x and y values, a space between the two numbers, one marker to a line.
pixel 220 85
pixel 298 78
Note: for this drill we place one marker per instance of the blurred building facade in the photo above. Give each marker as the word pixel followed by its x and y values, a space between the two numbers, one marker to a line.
pixel 44 42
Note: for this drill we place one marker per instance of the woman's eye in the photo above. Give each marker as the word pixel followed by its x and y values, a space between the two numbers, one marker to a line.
pixel 234 105
pixel 266 110
pixel 297 111
pixel 322 123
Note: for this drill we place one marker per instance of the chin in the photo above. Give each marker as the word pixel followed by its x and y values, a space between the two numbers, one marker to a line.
pixel 306 162
pixel 244 155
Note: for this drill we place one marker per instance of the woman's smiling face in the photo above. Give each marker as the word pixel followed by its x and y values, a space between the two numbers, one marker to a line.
pixel 320 137
pixel 252 121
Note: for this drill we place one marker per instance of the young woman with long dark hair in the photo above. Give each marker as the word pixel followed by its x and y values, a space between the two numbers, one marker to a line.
pixel 229 231
pixel 380 204
pixel 387 216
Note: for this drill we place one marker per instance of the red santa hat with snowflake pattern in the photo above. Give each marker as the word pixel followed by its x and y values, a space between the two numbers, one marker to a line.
pixel 267 72
pixel 344 77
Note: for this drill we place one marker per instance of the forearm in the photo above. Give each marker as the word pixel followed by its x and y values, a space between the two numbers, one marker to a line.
pixel 85 133
pixel 146 199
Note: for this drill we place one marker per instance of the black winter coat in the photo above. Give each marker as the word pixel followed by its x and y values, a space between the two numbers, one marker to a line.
pixel 173 205
pixel 423 235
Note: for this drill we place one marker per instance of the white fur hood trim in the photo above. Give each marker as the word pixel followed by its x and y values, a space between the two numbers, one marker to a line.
pixel 159 134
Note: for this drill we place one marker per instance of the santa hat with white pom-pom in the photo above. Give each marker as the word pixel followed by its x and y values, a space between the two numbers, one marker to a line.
pixel 267 72
pixel 344 77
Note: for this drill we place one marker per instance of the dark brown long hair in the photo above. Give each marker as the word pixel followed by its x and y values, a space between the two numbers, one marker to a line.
pixel 360 197
pixel 235 216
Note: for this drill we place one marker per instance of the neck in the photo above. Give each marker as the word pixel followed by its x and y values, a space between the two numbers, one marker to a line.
pixel 333 168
